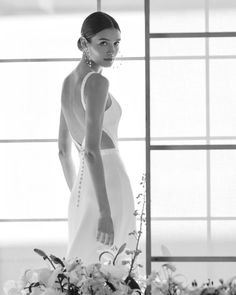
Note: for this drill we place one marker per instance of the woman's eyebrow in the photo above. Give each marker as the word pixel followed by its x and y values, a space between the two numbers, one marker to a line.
pixel 108 39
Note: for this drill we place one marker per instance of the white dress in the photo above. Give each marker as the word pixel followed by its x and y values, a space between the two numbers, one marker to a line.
pixel 83 207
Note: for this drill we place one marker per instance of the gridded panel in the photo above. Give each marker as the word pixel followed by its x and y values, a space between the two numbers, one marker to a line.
pixel 177 47
pixel 24 7
pixel 178 183
pixel 18 239
pixel 33 185
pixel 222 15
pixel 55 36
pixel 33 180
pixel 31 93
pixel 178 103
pixel 127 84
pixel 187 272
pixel 41 36
pixel 223 186
pixel 218 270
pixel 130 17
pixel 32 107
pixel 222 97
pixel 222 46
pixel 133 152
pixel 177 141
pixel 177 16
pixel 223 237
pixel 182 238
pixel 189 238
pixel 32 233
pixel 200 271
pixel 122 6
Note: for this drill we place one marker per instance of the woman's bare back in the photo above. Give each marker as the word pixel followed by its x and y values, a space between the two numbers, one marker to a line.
pixel 74 112
pixel 72 106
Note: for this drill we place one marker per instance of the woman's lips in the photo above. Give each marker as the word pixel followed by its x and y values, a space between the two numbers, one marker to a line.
pixel 108 59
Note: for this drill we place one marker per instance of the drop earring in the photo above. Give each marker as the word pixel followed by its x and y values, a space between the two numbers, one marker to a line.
pixel 88 61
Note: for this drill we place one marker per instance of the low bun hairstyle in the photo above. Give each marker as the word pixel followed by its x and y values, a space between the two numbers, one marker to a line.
pixel 94 23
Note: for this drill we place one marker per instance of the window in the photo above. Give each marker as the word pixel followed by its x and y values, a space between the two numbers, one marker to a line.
pixel 38 50
pixel 192 102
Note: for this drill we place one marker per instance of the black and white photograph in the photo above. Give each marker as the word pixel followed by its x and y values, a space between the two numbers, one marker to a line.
pixel 118 147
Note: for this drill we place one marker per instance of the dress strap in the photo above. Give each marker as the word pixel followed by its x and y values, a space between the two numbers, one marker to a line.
pixel 83 85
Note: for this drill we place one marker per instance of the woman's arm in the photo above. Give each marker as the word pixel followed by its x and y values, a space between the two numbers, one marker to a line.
pixel 64 146
pixel 96 91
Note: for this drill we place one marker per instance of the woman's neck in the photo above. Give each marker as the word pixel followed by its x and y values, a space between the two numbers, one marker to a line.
pixel 93 66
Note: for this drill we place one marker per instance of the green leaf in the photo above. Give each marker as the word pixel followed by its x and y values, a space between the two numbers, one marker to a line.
pixel 128 252
pixel 140 265
pixel 57 260
pixel 170 266
pixel 111 286
pixel 165 251
pixel 138 251
pixel 122 248
pixel 41 253
pixel 61 276
pixel 133 233
pixel 135 213
pixel 33 285
pixel 221 281
pixel 124 262
pixel 132 284
pixel 100 256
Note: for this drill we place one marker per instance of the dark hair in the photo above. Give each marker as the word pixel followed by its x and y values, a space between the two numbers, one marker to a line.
pixel 94 23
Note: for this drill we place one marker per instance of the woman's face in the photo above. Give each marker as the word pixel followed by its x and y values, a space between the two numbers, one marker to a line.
pixel 104 47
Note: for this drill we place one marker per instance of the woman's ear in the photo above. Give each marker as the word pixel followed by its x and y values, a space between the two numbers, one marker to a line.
pixel 82 43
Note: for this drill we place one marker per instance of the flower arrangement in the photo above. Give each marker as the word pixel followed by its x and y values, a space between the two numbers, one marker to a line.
pixel 114 274
pixel 165 282
pixel 72 278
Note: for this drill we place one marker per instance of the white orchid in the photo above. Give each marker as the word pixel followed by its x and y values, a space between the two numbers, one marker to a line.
pixel 116 271
pixel 51 291
pixel 10 288
pixel 53 279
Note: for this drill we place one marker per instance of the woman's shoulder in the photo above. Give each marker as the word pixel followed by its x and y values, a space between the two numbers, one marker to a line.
pixel 96 88
pixel 66 85
pixel 96 79
pixel 96 83
pixel 67 80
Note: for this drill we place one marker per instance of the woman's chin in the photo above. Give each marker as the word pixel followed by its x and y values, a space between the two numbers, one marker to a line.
pixel 108 63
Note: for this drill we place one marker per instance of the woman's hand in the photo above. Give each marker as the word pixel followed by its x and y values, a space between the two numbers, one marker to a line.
pixel 105 232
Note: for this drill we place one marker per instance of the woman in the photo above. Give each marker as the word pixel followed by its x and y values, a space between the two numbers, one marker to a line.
pixel 101 204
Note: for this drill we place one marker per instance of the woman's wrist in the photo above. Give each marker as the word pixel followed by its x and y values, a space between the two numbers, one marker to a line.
pixel 105 212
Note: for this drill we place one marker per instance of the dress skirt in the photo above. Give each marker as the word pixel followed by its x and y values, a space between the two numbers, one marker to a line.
pixel 83 210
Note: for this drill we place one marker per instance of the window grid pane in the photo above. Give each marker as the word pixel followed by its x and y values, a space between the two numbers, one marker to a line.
pixel 218 159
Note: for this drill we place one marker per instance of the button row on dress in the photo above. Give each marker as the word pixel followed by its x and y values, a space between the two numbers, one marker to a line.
pixel 81 176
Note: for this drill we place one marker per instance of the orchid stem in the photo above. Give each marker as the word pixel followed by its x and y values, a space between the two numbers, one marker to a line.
pixel 50 262
pixel 138 239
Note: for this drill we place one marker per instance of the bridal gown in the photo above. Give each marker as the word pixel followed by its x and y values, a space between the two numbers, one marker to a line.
pixel 83 207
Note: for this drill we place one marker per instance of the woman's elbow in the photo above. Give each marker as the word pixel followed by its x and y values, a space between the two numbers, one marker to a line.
pixel 63 152
pixel 91 153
